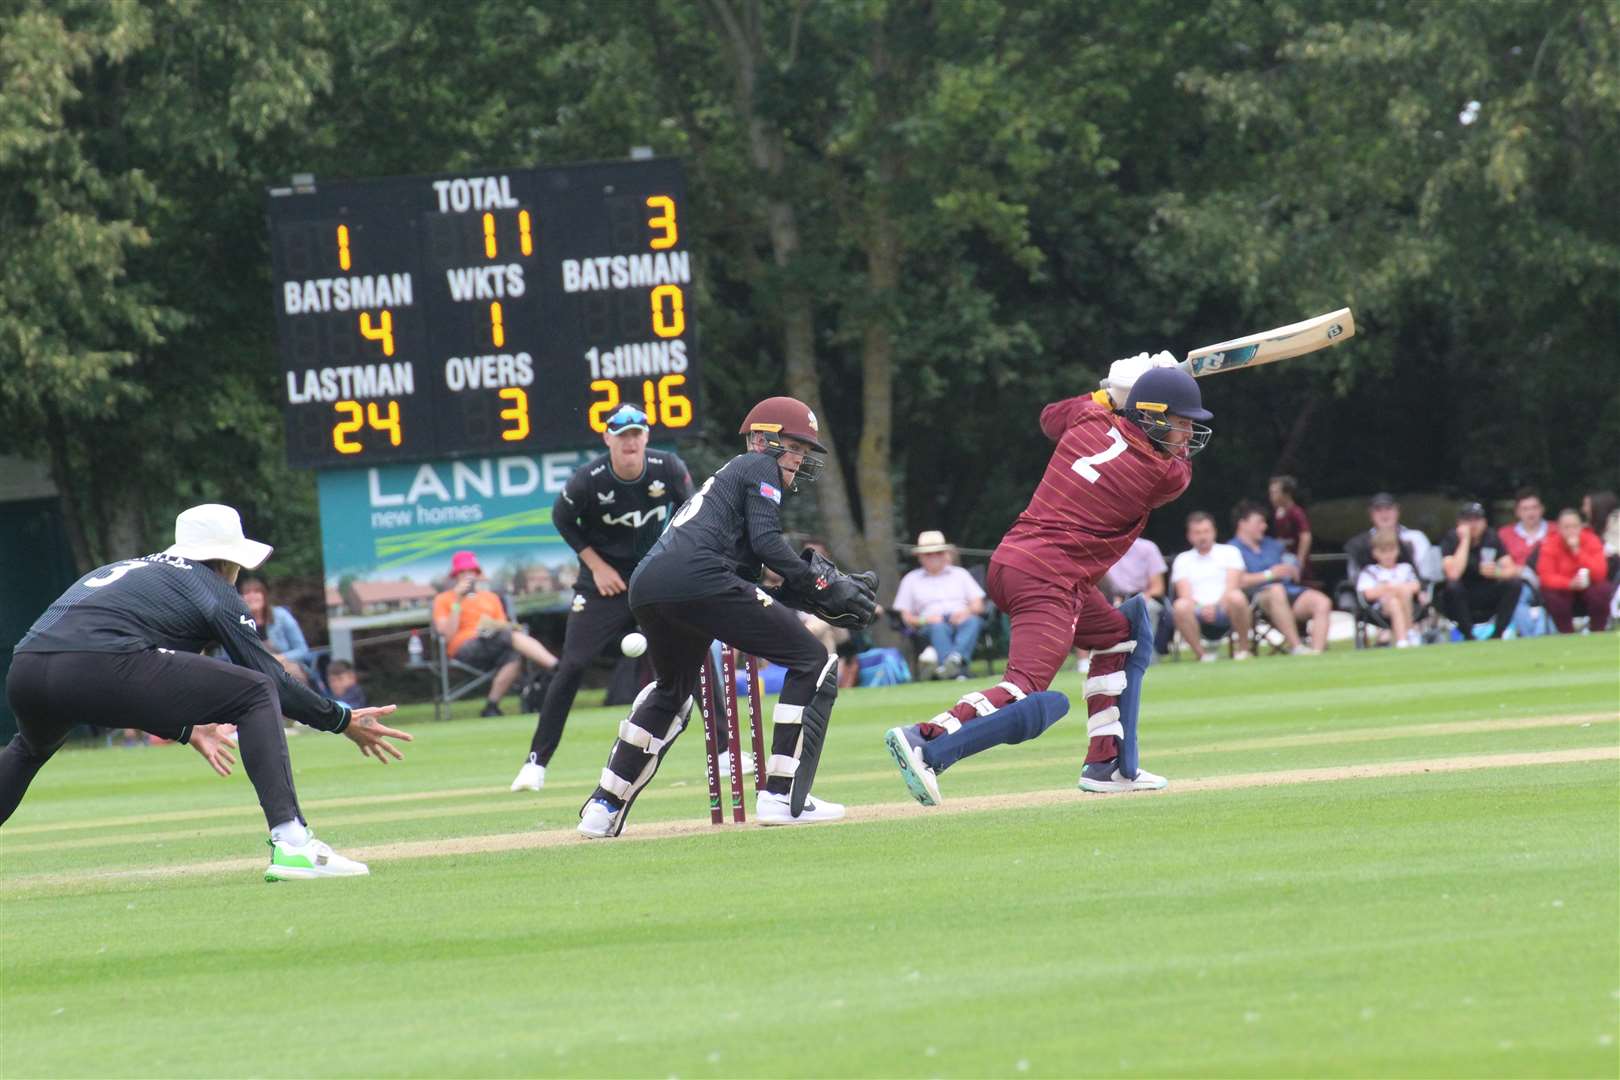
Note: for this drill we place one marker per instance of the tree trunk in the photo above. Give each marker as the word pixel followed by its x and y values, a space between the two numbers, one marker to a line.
pixel 742 30
pixel 62 478
pixel 875 462
pixel 875 465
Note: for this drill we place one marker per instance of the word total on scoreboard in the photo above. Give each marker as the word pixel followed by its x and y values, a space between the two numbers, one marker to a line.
pixel 423 317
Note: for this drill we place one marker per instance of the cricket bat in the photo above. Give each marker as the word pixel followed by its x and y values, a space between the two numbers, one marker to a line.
pixel 1283 343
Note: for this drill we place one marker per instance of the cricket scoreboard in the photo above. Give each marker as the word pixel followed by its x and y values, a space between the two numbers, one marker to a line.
pixel 501 312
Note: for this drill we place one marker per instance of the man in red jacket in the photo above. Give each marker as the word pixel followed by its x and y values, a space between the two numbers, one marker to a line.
pixel 1108 470
pixel 1573 565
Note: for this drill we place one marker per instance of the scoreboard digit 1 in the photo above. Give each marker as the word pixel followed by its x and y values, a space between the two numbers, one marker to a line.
pixel 426 317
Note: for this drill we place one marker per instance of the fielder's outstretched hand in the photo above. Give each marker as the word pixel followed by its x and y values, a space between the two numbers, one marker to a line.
pixel 214 747
pixel 371 736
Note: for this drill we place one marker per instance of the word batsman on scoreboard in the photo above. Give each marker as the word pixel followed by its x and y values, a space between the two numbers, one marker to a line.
pixel 427 317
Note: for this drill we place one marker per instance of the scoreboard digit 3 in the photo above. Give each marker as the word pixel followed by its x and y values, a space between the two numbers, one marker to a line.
pixel 429 317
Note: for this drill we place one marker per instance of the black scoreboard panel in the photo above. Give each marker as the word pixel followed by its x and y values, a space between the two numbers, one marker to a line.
pixel 424 317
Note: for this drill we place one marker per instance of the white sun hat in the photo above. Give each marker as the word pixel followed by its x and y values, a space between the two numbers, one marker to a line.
pixel 213 531
pixel 930 541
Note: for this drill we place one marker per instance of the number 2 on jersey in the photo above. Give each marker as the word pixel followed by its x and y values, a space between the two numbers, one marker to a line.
pixel 1086 466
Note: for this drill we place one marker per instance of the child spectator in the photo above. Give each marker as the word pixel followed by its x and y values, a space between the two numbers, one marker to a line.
pixel 1573 566
pixel 1392 587
pixel 278 629
pixel 1384 512
pixel 1288 521
pixel 342 684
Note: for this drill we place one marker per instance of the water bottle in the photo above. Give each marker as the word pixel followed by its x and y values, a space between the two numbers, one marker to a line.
pixel 415 648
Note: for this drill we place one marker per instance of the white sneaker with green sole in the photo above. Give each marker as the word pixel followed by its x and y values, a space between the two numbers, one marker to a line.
pixel 300 862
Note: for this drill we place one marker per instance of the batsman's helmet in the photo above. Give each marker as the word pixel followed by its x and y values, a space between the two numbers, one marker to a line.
pixel 1162 393
pixel 776 417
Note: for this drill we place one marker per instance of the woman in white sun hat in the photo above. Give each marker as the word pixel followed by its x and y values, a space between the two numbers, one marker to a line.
pixel 122 648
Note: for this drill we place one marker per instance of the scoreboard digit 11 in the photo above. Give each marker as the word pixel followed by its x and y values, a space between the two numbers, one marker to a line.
pixel 425 317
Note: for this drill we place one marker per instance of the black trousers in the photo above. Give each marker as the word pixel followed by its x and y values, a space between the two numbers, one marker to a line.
pixel 161 692
pixel 679 634
pixel 592 626
pixel 1474 602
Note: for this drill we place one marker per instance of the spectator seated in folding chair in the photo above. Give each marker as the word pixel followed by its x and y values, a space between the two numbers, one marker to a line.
pixel 1389 590
pixel 1413 549
pixel 1209 602
pixel 1272 578
pixel 475 634
pixel 943 605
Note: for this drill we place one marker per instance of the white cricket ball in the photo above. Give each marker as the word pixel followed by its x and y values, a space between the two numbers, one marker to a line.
pixel 633 644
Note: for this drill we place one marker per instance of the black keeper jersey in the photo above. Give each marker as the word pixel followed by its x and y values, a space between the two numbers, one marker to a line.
pixel 728 530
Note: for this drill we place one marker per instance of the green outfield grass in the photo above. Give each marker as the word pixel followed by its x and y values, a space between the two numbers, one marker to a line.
pixel 1457 922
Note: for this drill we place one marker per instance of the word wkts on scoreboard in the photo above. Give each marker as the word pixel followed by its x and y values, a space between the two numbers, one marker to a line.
pixel 424 317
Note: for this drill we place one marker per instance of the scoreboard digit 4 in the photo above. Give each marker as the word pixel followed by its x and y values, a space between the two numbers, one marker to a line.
pixel 425 317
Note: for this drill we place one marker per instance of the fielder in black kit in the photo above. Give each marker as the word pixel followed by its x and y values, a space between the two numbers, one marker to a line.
pixel 121 648
pixel 611 512
pixel 700 583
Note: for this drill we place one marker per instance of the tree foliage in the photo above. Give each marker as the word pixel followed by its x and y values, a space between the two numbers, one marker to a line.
pixel 927 218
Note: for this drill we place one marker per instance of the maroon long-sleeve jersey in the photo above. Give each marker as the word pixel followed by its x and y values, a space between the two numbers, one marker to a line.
pixel 1093 502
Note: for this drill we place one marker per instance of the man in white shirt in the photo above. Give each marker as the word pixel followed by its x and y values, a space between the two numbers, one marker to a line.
pixel 942 602
pixel 1208 596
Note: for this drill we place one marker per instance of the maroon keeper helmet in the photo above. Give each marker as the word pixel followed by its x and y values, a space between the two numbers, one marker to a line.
pixel 784 416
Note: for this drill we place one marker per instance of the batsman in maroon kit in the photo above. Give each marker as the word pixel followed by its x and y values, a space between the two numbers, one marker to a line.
pixel 1110 468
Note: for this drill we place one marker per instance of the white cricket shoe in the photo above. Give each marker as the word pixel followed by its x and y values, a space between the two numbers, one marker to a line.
pixel 906 747
pixel 725 763
pixel 1105 778
pixel 532 777
pixel 312 859
pixel 770 809
pixel 599 820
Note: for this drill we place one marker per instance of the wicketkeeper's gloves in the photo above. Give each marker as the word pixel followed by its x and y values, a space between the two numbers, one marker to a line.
pixel 844 600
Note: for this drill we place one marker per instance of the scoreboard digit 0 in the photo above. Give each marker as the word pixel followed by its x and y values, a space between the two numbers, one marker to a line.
pixel 425 317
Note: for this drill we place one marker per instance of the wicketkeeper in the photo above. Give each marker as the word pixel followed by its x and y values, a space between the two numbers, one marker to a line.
pixel 700 583
pixel 1109 469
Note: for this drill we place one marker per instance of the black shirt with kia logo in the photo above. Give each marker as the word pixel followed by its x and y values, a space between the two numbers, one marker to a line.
pixel 620 519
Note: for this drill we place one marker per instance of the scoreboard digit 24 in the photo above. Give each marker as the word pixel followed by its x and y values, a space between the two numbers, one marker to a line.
pixel 426 317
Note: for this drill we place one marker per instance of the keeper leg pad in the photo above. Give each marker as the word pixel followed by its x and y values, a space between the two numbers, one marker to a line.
pixel 812 734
